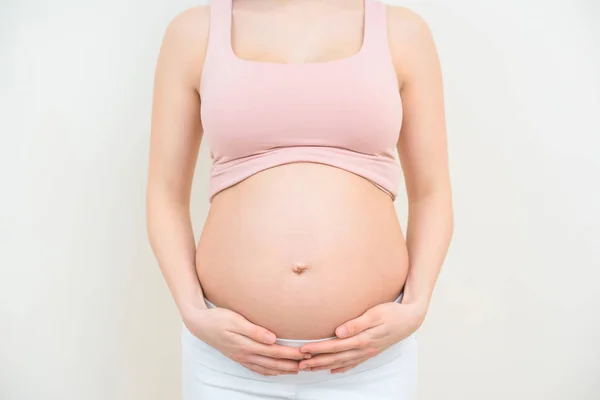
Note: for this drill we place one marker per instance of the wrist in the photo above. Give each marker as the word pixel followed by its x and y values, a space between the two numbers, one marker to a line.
pixel 413 311
pixel 190 305
pixel 417 290
pixel 419 301
pixel 193 316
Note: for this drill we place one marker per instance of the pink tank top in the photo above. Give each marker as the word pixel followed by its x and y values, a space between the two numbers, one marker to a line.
pixel 344 113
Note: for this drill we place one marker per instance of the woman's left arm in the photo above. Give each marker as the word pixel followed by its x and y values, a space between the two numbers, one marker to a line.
pixel 422 149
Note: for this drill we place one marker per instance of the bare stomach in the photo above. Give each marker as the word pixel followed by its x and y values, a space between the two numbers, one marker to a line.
pixel 302 248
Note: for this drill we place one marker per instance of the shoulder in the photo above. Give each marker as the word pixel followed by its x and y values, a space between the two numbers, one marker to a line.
pixel 411 41
pixel 185 41
pixel 406 26
pixel 191 25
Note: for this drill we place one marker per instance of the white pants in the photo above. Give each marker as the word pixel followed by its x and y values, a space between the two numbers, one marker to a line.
pixel 208 375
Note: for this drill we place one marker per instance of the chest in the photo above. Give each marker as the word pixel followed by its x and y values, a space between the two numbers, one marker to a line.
pixel 302 33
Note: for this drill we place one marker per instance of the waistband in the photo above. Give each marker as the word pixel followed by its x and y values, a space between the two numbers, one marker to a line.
pixel 295 342
pixel 200 359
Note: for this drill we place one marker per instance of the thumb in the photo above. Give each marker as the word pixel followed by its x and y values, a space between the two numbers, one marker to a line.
pixel 356 326
pixel 255 332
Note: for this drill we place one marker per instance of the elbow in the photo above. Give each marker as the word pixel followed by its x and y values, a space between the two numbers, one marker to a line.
pixel 447 199
pixel 152 209
pixel 437 200
pixel 161 206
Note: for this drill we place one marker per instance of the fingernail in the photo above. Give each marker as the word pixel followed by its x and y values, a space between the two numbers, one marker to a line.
pixel 342 332
pixel 269 337
pixel 307 356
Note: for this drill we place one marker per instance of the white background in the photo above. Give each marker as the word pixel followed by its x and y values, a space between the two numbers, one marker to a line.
pixel 84 312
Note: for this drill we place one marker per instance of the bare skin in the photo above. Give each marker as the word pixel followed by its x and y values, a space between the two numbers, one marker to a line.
pixel 279 35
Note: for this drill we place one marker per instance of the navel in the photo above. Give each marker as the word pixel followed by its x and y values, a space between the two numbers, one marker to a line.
pixel 299 269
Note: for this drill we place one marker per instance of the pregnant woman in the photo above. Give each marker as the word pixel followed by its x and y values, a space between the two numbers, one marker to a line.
pixel 301 285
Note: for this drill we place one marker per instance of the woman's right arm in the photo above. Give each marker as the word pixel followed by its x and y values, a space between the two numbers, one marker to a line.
pixel 176 133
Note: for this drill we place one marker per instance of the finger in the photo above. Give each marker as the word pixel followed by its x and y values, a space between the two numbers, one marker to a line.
pixel 257 333
pixel 336 345
pixel 346 368
pixel 325 360
pixel 353 327
pixel 272 363
pixel 266 371
pixel 333 367
pixel 275 351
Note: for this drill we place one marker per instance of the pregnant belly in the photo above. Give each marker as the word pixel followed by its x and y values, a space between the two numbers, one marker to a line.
pixel 301 248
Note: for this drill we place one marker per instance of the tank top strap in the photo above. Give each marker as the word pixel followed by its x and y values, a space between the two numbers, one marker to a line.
pixel 375 26
pixel 220 24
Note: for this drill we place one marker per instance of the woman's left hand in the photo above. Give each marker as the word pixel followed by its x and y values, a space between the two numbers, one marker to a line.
pixel 364 337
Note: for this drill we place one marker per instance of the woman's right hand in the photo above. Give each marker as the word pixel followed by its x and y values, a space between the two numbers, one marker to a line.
pixel 242 341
